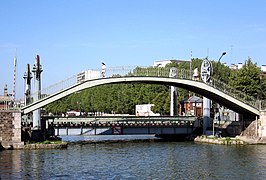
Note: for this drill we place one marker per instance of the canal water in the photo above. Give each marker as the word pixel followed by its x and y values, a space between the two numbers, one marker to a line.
pixel 135 160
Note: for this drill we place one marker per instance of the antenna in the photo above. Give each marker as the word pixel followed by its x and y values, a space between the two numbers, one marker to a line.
pixel 232 53
pixel 190 73
pixel 14 83
pixel 190 63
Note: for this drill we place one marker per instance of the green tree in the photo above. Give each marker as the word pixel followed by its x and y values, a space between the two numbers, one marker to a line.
pixel 263 86
pixel 162 103
pixel 247 79
pixel 220 72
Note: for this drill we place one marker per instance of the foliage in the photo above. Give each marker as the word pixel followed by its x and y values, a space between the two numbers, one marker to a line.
pixel 220 71
pixel 262 87
pixel 113 98
pixel 247 79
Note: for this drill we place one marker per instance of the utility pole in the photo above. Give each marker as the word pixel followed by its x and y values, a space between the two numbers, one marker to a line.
pixel 15 74
pixel 190 64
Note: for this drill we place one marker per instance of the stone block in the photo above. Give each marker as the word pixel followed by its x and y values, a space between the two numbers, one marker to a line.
pixel 18 145
pixel 16 139
pixel 263 131
pixel 17 125
pixel 10 128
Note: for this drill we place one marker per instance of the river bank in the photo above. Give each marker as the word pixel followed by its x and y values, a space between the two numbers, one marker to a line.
pixel 238 140
pixel 61 145
pixel 62 142
pixel 41 145
pixel 72 140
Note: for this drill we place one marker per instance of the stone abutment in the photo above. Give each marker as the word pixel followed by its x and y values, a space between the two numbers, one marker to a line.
pixel 10 130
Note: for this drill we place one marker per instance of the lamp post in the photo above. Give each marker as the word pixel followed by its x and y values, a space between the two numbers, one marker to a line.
pixel 206 74
pixel 224 53
pixel 219 119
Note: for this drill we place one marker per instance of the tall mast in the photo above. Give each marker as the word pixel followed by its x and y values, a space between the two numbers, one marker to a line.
pixel 15 73
pixel 37 69
pixel 27 87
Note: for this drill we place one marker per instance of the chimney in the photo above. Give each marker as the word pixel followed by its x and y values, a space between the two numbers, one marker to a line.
pixel 5 91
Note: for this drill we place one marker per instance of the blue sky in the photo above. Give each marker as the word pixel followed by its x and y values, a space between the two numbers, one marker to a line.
pixel 75 35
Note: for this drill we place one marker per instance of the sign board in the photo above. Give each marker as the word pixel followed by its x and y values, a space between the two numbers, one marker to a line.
pixel 173 72
pixel 206 71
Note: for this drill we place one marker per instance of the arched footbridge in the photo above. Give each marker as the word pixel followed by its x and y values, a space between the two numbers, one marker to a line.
pixel 216 90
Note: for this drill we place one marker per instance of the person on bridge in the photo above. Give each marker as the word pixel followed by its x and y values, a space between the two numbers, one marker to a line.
pixel 103 69
pixel 137 114
pixel 196 74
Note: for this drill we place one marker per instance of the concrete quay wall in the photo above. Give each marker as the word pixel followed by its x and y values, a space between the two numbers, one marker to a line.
pixel 222 141
pixel 10 130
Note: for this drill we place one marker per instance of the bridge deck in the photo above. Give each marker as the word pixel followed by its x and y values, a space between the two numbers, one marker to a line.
pixel 217 91
pixel 122 125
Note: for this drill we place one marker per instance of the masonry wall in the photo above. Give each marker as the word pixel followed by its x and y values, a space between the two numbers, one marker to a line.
pixel 257 128
pixel 262 124
pixel 251 130
pixel 10 129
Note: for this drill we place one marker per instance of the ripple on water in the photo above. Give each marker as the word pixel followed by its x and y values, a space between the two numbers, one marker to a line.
pixel 136 160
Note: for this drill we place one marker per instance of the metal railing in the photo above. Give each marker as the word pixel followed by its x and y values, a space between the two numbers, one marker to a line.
pixel 135 71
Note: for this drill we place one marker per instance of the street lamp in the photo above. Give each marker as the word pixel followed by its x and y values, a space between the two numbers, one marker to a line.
pixel 219 119
pixel 224 53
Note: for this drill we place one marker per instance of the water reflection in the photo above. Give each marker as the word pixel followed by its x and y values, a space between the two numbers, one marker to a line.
pixel 136 160
pixel 10 164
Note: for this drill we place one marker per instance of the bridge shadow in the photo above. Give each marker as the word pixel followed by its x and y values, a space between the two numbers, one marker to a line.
pixel 1 148
pixel 88 131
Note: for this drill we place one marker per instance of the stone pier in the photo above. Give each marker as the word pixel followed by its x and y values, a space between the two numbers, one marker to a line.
pixel 255 133
pixel 10 130
pixel 262 125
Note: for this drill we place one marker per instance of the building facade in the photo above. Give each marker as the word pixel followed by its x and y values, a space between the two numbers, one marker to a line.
pixel 192 106
pixel 5 100
pixel 87 75
pixel 163 63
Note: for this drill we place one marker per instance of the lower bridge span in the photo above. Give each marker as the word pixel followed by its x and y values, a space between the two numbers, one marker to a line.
pixel 123 125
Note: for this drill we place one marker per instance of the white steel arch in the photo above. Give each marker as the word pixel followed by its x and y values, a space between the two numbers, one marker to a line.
pixel 195 86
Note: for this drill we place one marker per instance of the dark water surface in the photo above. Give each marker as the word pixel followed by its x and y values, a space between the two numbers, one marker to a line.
pixel 136 160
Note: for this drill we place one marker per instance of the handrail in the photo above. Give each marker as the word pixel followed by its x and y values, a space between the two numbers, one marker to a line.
pixel 135 71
